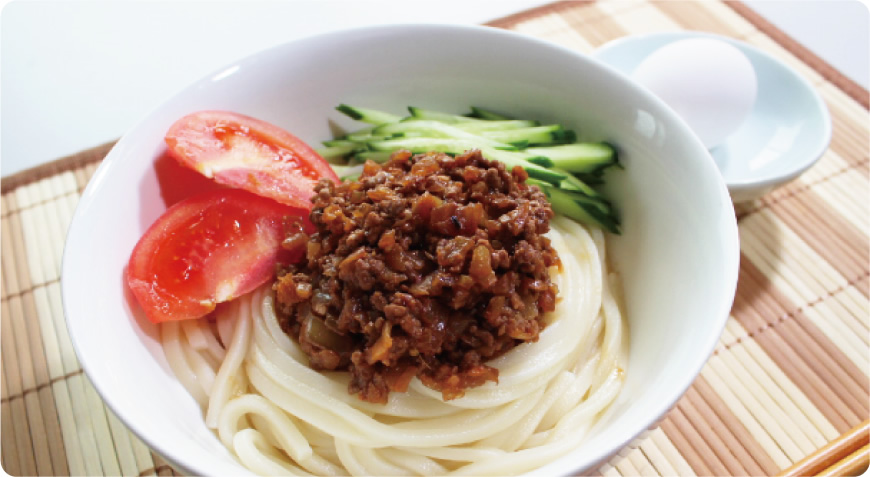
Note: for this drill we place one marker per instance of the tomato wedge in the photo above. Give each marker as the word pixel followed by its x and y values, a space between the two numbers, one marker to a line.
pixel 205 250
pixel 247 153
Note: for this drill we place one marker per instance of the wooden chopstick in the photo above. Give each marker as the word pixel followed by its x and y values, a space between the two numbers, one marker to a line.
pixel 842 456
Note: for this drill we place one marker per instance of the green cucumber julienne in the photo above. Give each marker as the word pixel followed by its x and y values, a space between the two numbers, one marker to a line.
pixel 371 116
pixel 579 207
pixel 458 146
pixel 483 113
pixel 556 162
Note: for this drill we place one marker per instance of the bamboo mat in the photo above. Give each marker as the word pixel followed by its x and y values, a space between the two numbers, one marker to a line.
pixel 786 390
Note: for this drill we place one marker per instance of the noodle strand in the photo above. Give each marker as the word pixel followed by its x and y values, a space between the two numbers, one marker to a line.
pixel 280 417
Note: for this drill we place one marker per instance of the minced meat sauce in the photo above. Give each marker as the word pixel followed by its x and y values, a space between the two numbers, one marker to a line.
pixel 426 266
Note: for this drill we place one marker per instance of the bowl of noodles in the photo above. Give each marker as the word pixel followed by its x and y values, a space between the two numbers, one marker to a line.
pixel 636 316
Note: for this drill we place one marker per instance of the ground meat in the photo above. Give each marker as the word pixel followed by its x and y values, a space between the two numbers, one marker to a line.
pixel 426 266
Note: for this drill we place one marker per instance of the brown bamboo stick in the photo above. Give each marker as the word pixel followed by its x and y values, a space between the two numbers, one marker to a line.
pixel 66 398
pixel 841 255
pixel 105 445
pixel 82 414
pixel 711 431
pixel 690 444
pixel 713 373
pixel 828 366
pixel 842 202
pixel 10 277
pixel 814 387
pixel 47 220
pixel 8 444
pixel 785 407
pixel 774 422
pixel 671 453
pixel 45 427
pixel 853 377
pixel 805 406
pixel 844 235
pixel 685 449
pixel 123 447
pixel 850 336
pixel 34 443
pixel 733 432
pixel 596 25
pixel 33 242
pixel 26 458
pixel 783 353
pixel 855 303
pixel 69 429
pixel 52 435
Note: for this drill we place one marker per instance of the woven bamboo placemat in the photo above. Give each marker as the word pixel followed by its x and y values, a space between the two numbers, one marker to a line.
pixel 786 390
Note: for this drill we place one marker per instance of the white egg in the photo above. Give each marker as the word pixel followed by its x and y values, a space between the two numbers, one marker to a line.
pixel 709 83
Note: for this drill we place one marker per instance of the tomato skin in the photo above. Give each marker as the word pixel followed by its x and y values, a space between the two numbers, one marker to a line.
pixel 205 250
pixel 178 182
pixel 247 153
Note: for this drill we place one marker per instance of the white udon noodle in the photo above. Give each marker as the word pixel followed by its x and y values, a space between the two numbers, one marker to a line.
pixel 280 417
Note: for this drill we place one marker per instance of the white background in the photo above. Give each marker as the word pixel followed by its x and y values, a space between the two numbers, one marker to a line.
pixel 77 74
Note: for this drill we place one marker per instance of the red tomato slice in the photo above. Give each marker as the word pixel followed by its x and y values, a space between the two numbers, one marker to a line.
pixel 206 250
pixel 250 154
pixel 178 182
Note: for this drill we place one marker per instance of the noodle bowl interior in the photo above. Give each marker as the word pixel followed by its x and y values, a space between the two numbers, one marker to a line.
pixel 279 416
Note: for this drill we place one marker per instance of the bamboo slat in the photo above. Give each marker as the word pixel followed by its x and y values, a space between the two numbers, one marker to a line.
pixel 786 391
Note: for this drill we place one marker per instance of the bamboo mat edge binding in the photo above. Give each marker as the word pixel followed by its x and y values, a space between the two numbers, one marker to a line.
pixel 58 166
pixel 838 455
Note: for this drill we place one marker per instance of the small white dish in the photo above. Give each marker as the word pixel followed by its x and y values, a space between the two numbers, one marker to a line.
pixel 787 131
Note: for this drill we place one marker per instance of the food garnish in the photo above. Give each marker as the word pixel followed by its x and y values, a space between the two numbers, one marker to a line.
pixel 564 168
pixel 247 153
pixel 205 250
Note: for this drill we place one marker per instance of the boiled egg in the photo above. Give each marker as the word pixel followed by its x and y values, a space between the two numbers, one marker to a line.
pixel 710 83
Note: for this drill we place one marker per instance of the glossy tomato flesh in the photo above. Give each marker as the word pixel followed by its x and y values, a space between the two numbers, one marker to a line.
pixel 205 250
pixel 247 153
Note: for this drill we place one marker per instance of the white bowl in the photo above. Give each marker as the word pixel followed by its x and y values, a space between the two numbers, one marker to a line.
pixel 787 131
pixel 678 254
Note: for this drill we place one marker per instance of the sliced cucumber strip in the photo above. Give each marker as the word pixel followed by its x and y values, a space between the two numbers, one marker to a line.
pixel 337 152
pixel 421 113
pixel 510 159
pixel 377 156
pixel 434 129
pixel 572 183
pixel 487 114
pixel 339 142
pixel 541 161
pixel 534 135
pixel 366 115
pixel 587 157
pixel 579 207
pixel 360 134
pixel 344 172
pixel 497 125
